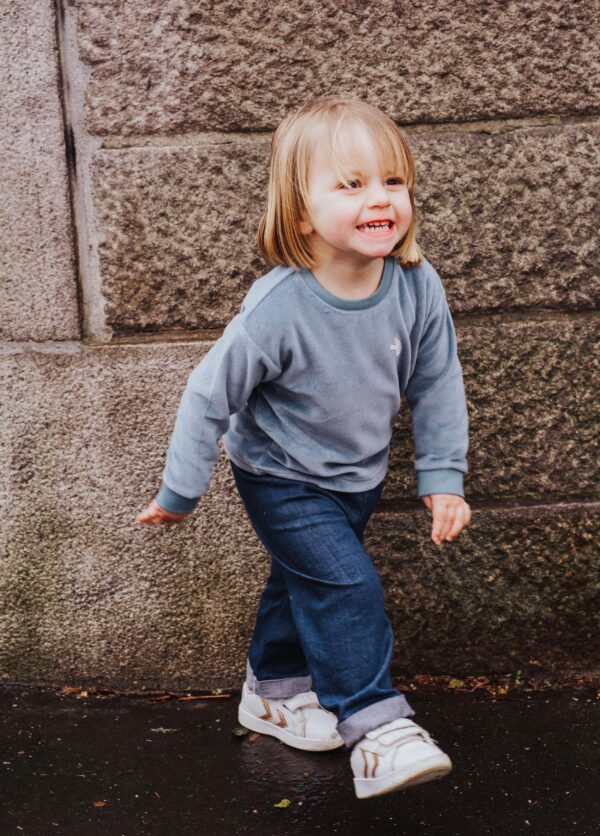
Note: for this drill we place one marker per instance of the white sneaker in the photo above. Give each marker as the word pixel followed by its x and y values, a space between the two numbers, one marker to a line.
pixel 396 755
pixel 298 721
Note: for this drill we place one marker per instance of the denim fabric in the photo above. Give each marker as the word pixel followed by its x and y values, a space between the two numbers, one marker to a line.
pixel 321 622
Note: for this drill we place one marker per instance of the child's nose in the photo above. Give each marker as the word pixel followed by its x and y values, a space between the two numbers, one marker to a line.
pixel 378 195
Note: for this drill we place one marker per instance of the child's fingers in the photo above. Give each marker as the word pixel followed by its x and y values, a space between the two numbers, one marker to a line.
pixel 155 515
pixel 443 516
pixel 157 519
pixel 150 518
pixel 146 516
pixel 150 514
pixel 453 523
pixel 458 524
pixel 169 518
pixel 447 522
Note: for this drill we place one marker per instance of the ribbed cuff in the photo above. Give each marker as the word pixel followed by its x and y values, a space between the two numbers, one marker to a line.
pixel 168 500
pixel 444 480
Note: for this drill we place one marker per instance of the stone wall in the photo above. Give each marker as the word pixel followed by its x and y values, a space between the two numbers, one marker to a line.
pixel 133 163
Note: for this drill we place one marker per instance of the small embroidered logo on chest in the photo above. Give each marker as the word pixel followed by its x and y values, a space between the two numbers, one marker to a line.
pixel 396 346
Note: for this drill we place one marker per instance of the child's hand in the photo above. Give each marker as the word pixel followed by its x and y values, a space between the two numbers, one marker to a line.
pixel 450 514
pixel 155 515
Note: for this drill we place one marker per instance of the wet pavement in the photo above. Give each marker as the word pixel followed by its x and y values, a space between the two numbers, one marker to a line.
pixel 122 766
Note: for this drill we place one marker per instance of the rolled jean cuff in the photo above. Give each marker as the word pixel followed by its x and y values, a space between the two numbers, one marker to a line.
pixel 353 728
pixel 277 689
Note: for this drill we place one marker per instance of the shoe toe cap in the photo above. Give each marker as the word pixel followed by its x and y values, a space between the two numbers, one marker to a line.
pixel 321 725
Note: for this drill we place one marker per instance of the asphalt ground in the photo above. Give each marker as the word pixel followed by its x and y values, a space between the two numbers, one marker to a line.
pixel 93 763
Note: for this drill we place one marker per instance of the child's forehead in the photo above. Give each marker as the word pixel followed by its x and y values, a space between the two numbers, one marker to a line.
pixel 351 147
pixel 350 140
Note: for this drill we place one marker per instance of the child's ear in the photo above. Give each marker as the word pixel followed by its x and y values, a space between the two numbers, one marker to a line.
pixel 305 228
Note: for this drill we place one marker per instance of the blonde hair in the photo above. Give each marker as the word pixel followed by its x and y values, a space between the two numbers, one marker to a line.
pixel 279 238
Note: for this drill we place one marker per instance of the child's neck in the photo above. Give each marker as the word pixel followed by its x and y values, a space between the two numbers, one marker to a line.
pixel 349 281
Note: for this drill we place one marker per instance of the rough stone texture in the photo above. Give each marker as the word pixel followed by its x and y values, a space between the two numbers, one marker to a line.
pixel 518 587
pixel 163 67
pixel 176 233
pixel 37 276
pixel 508 220
pixel 90 594
pixel 511 217
pixel 532 393
pixel 87 591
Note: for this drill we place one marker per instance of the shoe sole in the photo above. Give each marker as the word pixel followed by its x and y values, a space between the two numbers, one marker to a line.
pixel 263 727
pixel 429 770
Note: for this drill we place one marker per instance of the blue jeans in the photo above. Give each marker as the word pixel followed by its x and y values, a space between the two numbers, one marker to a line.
pixel 321 622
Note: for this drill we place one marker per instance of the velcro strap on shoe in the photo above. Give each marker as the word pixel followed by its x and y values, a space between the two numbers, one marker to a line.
pixel 400 723
pixel 302 701
pixel 393 737
pixel 401 730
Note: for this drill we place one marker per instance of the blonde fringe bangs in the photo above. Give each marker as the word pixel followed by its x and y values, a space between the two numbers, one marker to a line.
pixel 279 238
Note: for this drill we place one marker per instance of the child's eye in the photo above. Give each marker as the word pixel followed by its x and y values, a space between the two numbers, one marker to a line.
pixel 396 181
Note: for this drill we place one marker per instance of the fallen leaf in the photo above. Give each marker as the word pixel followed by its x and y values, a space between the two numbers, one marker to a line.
pixel 285 802
pixel 240 731
pixel 481 682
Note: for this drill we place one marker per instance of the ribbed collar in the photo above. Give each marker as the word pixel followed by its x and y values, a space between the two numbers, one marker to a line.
pixel 352 304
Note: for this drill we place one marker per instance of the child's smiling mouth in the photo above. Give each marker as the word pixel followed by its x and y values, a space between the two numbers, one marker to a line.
pixel 377 229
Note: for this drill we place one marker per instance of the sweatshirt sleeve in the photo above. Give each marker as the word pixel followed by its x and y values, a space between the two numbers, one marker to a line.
pixel 219 386
pixel 436 397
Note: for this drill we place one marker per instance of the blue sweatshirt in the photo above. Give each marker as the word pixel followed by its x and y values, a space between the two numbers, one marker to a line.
pixel 305 385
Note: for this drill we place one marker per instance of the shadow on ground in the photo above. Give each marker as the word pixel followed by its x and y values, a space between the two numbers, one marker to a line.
pixel 132 767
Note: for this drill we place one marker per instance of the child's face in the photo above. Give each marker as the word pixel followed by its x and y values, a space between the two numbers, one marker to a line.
pixel 338 212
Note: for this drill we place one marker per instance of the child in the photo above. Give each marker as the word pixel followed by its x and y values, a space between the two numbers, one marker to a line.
pixel 303 386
